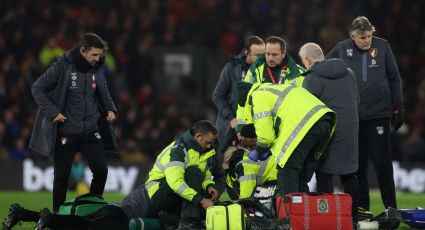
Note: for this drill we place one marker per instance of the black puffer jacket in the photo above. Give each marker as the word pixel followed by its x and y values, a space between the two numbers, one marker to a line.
pixel 224 99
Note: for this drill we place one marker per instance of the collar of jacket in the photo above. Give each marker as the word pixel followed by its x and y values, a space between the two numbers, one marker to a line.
pixel 292 66
pixel 189 142
pixel 241 55
pixel 260 61
pixel 81 64
pixel 306 73
pixel 239 59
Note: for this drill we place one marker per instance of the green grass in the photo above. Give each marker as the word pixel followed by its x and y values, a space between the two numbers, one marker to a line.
pixel 405 200
pixel 39 200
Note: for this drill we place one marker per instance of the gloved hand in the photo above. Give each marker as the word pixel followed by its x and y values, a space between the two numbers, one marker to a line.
pixel 264 156
pixel 255 156
pixel 397 119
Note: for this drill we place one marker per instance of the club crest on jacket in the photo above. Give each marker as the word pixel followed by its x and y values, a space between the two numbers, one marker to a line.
pixel 373 52
pixel 380 130
pixel 64 140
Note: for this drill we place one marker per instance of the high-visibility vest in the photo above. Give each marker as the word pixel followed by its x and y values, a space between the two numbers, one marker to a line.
pixel 173 170
pixel 250 174
pixel 282 115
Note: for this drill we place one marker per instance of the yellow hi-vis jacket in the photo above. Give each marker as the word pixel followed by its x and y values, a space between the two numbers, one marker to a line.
pixel 291 75
pixel 283 114
pixel 249 174
pixel 294 78
pixel 243 116
pixel 172 162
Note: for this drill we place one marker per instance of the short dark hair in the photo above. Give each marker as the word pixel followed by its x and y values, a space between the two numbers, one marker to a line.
pixel 251 40
pixel 92 40
pixel 248 131
pixel 361 24
pixel 204 127
pixel 279 40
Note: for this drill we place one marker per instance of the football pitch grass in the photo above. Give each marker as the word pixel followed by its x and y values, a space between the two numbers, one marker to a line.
pixel 39 200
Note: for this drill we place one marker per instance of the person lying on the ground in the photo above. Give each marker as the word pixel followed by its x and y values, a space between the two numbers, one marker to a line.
pixel 108 217
pixel 112 216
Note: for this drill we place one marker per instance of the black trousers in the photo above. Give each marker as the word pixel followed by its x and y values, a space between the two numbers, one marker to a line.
pixel 299 168
pixel 166 199
pixel 374 144
pixel 348 181
pixel 91 146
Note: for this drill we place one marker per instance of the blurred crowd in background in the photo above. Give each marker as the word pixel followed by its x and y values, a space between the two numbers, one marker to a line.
pixel 35 33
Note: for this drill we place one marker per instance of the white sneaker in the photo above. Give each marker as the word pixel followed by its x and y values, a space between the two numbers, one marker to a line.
pixel 368 225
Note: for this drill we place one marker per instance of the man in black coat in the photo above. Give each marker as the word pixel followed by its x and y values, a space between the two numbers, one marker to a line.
pixel 224 99
pixel 75 113
pixel 223 96
pixel 381 105
pixel 335 85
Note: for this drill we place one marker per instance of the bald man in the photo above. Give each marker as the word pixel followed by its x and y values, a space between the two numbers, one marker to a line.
pixel 335 85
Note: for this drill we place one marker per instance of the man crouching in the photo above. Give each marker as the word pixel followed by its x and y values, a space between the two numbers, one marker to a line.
pixel 180 181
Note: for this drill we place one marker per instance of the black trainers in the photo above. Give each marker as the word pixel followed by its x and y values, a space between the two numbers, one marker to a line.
pixel 192 224
pixel 13 217
pixel 363 214
pixel 45 215
pixel 388 219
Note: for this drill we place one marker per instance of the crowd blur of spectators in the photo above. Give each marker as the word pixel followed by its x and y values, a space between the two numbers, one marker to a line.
pixel 35 33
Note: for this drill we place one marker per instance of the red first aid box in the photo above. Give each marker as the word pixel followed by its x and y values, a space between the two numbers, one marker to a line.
pixel 310 211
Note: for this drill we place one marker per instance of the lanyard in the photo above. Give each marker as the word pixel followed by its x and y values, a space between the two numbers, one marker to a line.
pixel 271 74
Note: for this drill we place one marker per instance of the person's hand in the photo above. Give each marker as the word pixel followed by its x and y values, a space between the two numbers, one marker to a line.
pixel 264 156
pixel 205 203
pixel 60 118
pixel 233 123
pixel 213 193
pixel 111 117
pixel 397 119
pixel 239 136
pixel 253 155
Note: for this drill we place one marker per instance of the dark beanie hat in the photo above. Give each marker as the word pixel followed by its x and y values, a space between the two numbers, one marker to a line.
pixel 242 89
